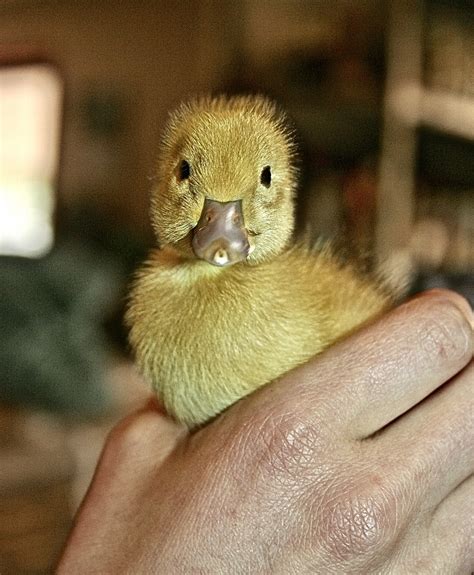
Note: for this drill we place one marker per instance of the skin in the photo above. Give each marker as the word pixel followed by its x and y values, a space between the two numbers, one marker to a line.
pixel 360 461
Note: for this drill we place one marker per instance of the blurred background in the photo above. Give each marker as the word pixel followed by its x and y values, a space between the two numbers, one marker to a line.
pixel 382 95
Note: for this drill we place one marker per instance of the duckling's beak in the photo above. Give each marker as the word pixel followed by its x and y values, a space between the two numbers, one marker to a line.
pixel 220 237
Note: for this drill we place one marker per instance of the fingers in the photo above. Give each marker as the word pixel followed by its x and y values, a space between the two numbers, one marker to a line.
pixel 431 448
pixel 408 355
pixel 453 521
pixel 444 542
pixel 371 378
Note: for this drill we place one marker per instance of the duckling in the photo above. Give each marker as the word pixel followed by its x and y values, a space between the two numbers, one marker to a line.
pixel 229 302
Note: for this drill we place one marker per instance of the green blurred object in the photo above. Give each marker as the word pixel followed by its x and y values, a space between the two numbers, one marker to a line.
pixel 53 347
pixel 103 112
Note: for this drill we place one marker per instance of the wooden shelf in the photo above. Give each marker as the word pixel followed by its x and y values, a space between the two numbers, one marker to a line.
pixel 444 111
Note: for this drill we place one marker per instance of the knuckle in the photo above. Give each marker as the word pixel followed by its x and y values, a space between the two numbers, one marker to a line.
pixel 286 446
pixel 447 335
pixel 358 520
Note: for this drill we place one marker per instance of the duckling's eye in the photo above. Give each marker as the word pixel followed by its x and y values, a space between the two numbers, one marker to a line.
pixel 184 170
pixel 266 176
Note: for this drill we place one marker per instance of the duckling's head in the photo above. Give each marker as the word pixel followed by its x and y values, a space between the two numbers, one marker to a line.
pixel 226 181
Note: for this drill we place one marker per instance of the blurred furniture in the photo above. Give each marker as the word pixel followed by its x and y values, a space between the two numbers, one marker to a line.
pixel 430 83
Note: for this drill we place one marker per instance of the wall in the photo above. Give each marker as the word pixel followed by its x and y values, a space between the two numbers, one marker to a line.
pixel 149 54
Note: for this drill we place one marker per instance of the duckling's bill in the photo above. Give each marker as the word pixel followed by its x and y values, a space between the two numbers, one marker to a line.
pixel 220 237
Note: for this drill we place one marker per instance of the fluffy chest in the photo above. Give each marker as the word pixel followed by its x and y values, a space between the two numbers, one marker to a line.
pixel 204 339
pixel 204 343
pixel 233 318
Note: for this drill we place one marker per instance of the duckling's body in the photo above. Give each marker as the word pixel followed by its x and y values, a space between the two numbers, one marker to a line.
pixel 206 334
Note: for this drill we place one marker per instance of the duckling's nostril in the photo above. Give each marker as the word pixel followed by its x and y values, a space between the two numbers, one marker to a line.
pixel 221 257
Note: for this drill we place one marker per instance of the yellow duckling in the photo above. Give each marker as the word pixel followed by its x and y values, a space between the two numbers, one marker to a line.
pixel 228 303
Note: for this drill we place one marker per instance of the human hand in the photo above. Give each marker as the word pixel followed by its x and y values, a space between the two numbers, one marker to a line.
pixel 360 461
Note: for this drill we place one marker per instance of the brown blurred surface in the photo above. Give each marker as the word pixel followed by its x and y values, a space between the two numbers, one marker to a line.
pixel 46 464
pixel 36 478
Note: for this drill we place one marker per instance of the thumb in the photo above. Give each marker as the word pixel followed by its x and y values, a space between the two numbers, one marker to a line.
pixel 134 449
pixel 140 441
